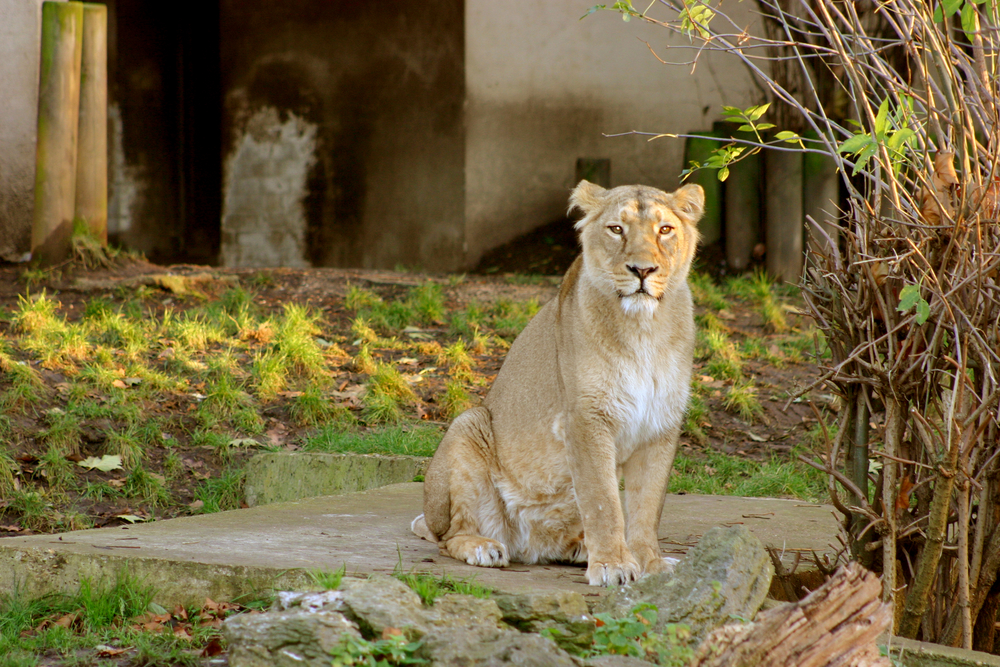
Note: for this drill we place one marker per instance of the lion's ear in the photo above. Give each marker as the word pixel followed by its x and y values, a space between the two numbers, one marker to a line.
pixel 689 201
pixel 587 197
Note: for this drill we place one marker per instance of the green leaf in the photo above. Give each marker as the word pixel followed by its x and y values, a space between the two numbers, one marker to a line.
pixel 923 312
pixel 785 135
pixel 969 19
pixel 864 155
pixel 899 138
pixel 855 143
pixel 908 297
pixel 952 6
pixel 106 463
pixel 723 173
pixel 880 118
pixel 938 14
pixel 595 8
pixel 745 128
pixel 732 111
pixel 766 126
pixel 753 113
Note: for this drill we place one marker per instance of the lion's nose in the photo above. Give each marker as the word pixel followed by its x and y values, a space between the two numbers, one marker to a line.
pixel 641 271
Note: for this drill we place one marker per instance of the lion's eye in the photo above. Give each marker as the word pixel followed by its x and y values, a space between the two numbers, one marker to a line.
pixel 666 229
pixel 616 229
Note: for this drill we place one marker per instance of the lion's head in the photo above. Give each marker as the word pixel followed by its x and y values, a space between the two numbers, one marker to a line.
pixel 638 242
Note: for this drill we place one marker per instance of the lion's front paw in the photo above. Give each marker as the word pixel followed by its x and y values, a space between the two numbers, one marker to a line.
pixel 613 573
pixel 477 550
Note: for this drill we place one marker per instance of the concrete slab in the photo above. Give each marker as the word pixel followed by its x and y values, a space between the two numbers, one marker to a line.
pixel 282 476
pixel 230 554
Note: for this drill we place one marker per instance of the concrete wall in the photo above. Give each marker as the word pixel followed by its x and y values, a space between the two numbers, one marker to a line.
pixel 543 86
pixel 20 46
pixel 342 133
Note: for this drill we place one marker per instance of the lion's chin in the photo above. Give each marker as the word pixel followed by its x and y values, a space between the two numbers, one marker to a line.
pixel 639 303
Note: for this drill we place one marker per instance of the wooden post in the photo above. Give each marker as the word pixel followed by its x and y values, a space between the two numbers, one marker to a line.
pixel 783 214
pixel 820 198
pixel 699 150
pixel 58 125
pixel 742 203
pixel 92 152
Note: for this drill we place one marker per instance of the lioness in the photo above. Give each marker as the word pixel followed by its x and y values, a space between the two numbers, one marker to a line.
pixel 594 388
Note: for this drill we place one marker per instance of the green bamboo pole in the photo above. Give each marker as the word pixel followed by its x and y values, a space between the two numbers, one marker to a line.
pixel 783 216
pixel 699 150
pixel 58 127
pixel 92 153
pixel 820 198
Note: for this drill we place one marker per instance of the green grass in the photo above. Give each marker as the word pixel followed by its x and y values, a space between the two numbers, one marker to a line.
pixel 221 493
pixel 455 400
pixel 705 292
pixel 741 399
pixel 408 440
pixel 386 393
pixel 430 587
pixel 328 580
pixel 719 474
pixel 147 487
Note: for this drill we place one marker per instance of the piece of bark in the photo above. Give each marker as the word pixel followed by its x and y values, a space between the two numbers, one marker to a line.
pixel 837 624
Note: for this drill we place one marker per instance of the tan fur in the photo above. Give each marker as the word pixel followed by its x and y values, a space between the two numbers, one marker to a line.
pixel 594 388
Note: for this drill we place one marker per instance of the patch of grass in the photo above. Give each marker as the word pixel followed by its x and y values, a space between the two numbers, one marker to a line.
pixel 146 486
pixel 430 587
pixel 57 469
pixel 328 580
pixel 224 395
pixel 63 432
pixel 311 407
pixel 269 374
pixel 741 399
pixel 458 360
pixel 427 301
pixel 221 493
pixel 757 348
pixel 466 322
pixel 126 444
pixel 724 359
pixel 799 346
pixel 720 474
pixel 385 395
pixel 510 317
pixel 101 491
pixel 455 400
pixel 705 292
pixel 34 509
pixel 412 441
pixel 295 339
pixel 759 289
pixel 8 468
pixel 695 417
pixel 25 386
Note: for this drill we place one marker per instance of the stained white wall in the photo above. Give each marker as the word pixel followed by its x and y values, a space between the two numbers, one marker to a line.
pixel 543 86
pixel 20 46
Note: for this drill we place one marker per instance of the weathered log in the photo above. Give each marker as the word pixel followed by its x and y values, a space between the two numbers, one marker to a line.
pixel 837 624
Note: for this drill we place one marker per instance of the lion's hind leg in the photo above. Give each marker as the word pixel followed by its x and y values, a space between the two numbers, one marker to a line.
pixel 462 507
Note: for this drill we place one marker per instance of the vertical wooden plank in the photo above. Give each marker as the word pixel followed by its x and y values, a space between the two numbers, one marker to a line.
pixel 699 150
pixel 92 152
pixel 58 131
pixel 783 218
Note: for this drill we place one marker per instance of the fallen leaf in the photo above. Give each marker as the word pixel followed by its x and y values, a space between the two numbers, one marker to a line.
pixel 391 632
pixel 106 463
pixel 755 437
pixel 197 505
pixel 66 621
pixel 104 651
pixel 131 518
pixel 725 314
pixel 212 648
pixel 120 384
pixel 903 499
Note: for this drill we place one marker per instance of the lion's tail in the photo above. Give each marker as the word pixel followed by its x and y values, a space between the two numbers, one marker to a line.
pixel 420 529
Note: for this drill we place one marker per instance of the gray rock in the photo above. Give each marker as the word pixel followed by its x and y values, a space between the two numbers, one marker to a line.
pixel 462 611
pixel 725 577
pixel 459 648
pixel 615 661
pixel 382 602
pixel 285 638
pixel 564 614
